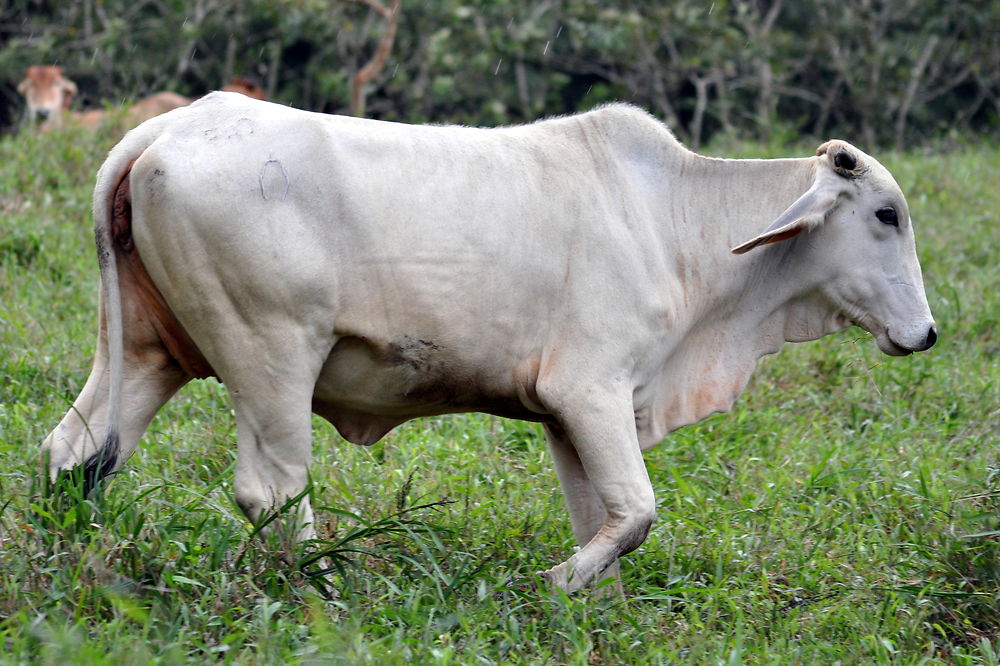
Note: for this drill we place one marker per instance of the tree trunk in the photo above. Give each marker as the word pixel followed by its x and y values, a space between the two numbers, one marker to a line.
pixel 911 89
pixel 375 66
pixel 724 105
pixel 274 67
pixel 701 84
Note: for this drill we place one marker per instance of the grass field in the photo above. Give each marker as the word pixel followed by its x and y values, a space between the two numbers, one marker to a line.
pixel 845 511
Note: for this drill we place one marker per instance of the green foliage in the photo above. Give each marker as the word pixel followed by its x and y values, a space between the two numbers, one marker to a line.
pixel 848 508
pixel 878 73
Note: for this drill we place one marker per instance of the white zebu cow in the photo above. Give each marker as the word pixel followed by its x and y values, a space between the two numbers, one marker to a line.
pixel 575 272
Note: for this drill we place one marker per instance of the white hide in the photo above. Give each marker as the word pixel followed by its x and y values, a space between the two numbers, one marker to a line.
pixel 576 271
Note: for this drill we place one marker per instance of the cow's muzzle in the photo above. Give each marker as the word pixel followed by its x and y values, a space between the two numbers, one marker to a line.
pixel 893 346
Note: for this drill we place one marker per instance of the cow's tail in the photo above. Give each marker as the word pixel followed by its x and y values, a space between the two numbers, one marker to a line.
pixel 111 203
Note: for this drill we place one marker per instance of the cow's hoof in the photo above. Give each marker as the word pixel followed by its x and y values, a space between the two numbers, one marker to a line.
pixel 555 578
pixel 523 584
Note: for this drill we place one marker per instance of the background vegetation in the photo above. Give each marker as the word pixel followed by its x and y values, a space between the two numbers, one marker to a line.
pixel 870 70
pixel 848 508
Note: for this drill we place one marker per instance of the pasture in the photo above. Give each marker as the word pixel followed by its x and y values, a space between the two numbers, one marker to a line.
pixel 847 509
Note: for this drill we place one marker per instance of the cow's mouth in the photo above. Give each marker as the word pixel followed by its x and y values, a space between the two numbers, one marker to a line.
pixel 889 346
pixel 884 341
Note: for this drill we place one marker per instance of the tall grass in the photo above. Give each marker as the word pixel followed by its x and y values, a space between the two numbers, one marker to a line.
pixel 845 511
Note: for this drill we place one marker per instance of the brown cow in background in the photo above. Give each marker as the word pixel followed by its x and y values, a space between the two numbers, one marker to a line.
pixel 48 94
pixel 246 87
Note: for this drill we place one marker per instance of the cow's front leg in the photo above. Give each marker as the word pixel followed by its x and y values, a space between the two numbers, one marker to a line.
pixel 585 508
pixel 600 429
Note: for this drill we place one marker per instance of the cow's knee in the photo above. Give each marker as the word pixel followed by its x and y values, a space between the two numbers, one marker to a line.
pixel 630 515
pixel 632 527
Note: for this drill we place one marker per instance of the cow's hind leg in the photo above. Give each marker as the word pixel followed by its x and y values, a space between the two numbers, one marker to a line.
pixel 150 376
pixel 270 379
pixel 274 449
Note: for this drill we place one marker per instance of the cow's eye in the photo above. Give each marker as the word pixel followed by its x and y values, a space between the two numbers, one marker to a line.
pixel 887 215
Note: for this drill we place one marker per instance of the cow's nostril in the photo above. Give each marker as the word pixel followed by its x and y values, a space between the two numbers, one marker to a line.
pixel 931 338
pixel 42 113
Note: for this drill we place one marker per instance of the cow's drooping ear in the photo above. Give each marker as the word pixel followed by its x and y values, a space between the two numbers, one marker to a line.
pixel 808 212
pixel 22 87
pixel 842 157
pixel 69 90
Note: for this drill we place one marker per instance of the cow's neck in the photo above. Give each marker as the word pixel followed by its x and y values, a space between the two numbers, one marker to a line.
pixel 728 310
pixel 769 289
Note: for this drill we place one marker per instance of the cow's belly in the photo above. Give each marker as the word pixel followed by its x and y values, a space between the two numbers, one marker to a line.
pixel 366 388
